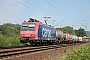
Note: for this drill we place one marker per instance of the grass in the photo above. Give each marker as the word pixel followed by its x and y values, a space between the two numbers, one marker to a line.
pixel 83 53
pixel 77 53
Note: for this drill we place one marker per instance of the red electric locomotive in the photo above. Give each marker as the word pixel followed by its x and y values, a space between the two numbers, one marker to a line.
pixel 28 31
pixel 33 32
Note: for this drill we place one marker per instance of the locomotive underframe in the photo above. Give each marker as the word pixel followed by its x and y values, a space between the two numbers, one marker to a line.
pixel 32 41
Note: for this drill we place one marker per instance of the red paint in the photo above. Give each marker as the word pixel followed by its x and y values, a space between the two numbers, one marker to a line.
pixel 68 36
pixel 30 34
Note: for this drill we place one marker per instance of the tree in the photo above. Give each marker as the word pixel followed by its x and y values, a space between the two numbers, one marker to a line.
pixel 9 29
pixel 80 32
pixel 67 29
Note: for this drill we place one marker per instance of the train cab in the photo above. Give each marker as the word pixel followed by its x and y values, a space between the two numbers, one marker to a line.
pixel 28 30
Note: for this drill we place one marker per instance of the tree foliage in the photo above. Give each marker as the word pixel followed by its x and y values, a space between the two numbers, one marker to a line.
pixel 9 29
pixel 9 34
pixel 79 32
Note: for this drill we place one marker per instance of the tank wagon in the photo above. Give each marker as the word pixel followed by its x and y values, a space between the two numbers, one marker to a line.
pixel 63 37
pixel 59 35
pixel 33 32
pixel 67 37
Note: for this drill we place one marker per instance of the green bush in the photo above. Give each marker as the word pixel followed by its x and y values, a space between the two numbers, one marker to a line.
pixel 81 54
pixel 9 41
pixel 9 35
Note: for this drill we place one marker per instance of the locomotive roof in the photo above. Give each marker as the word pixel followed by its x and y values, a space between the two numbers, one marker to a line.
pixel 34 20
pixel 46 25
pixel 31 20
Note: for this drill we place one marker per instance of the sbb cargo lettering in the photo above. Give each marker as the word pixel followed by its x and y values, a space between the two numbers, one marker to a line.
pixel 46 32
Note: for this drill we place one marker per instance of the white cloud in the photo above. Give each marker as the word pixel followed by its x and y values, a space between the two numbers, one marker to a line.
pixel 8 10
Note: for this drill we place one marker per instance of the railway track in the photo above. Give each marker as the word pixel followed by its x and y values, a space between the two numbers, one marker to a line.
pixel 8 52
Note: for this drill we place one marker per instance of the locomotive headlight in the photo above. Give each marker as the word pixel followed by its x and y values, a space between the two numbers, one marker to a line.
pixel 22 34
pixel 32 35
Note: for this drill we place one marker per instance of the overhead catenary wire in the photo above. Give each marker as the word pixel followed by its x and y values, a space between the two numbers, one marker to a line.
pixel 37 11
pixel 66 14
pixel 34 6
pixel 80 23
pixel 29 8
pixel 57 10
pixel 59 23
pixel 60 8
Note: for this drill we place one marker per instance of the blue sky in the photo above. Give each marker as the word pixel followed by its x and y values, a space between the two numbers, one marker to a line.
pixel 73 12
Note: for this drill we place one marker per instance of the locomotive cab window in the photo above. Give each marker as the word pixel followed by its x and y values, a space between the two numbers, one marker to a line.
pixel 24 26
pixel 31 26
pixel 28 27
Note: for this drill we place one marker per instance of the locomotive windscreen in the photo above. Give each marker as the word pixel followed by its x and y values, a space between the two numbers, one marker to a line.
pixel 30 27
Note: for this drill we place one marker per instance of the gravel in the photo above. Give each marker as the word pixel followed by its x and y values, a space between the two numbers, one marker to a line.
pixel 42 55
